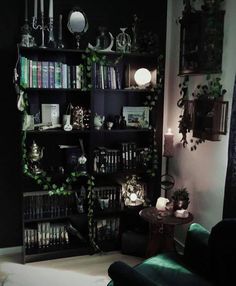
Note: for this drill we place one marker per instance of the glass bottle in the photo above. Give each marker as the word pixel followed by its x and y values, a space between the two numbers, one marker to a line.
pixel 123 41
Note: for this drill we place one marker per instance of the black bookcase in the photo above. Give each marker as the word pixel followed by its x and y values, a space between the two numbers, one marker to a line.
pixel 47 219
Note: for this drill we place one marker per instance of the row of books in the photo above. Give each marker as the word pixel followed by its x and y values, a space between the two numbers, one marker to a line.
pixel 46 235
pixel 45 206
pixel 106 229
pixel 47 74
pixel 128 158
pixel 106 160
pixel 107 77
pixel 108 197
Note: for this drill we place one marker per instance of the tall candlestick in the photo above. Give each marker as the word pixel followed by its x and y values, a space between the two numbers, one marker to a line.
pixel 51 9
pixel 26 10
pixel 60 27
pixel 169 144
pixel 41 6
pixel 35 8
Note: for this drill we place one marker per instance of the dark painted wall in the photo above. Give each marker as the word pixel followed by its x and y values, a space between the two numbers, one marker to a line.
pixel 113 15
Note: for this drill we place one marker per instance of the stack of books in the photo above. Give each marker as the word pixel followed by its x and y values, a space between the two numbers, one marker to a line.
pixel 107 77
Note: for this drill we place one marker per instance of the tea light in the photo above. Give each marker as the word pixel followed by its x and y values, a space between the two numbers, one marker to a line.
pixel 169 144
pixel 133 197
pixel 161 203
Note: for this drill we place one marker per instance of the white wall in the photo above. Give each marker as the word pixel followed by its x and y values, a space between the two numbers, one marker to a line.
pixel 202 171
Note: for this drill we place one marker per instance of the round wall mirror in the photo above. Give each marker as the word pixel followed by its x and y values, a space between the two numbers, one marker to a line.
pixel 77 23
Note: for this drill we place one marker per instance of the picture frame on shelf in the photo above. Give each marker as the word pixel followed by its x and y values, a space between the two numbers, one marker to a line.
pixel 136 116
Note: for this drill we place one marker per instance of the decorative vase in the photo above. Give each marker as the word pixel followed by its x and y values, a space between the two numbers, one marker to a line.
pixel 123 41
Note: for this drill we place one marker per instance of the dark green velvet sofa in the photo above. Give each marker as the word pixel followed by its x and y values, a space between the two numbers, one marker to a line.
pixel 208 259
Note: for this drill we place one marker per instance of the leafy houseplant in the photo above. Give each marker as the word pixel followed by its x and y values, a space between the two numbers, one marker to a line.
pixel 180 199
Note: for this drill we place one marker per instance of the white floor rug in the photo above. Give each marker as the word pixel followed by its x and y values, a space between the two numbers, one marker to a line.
pixel 26 275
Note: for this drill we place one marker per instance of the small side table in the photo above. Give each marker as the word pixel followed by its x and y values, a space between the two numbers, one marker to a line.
pixel 161 230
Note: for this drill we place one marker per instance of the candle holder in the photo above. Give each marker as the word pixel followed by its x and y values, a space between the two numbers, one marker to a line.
pixel 60 44
pixel 167 180
pixel 41 27
pixel 51 40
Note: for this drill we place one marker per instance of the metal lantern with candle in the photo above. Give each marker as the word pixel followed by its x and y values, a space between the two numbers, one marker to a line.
pixel 167 181
pixel 133 192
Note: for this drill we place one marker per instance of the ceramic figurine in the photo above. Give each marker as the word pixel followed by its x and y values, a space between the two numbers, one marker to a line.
pixel 35 155
pixel 98 121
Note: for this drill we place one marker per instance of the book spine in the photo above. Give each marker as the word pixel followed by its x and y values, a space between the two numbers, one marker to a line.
pixel 39 74
pixel 34 74
pixel 58 75
pixel 30 73
pixel 78 76
pixel 45 81
pixel 64 76
pixel 51 75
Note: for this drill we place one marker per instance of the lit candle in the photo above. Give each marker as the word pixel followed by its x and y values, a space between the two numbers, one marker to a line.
pixel 42 6
pixel 169 144
pixel 26 10
pixel 35 8
pixel 51 9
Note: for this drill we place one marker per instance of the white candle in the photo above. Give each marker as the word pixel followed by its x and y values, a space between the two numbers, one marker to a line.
pixel 51 9
pixel 26 10
pixel 60 27
pixel 169 144
pixel 35 8
pixel 42 6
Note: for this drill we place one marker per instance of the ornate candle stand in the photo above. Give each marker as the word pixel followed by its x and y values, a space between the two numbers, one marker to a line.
pixel 51 40
pixel 167 180
pixel 43 28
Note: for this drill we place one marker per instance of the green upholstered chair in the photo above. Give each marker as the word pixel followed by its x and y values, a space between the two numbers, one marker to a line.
pixel 196 267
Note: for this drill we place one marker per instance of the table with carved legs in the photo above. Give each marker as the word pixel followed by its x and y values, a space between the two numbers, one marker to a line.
pixel 161 230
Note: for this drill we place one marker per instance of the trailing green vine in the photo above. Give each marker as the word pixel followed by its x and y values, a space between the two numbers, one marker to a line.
pixel 91 57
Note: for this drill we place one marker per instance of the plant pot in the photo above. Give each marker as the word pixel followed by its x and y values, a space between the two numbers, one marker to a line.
pixel 180 204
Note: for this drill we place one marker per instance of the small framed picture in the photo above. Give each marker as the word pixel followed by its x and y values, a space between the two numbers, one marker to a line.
pixel 136 116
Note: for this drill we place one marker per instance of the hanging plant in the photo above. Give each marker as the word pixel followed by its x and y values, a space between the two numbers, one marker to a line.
pixel 151 157
pixel 213 89
pixel 91 57
pixel 152 97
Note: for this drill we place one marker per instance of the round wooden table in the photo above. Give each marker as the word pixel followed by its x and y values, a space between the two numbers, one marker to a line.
pixel 161 230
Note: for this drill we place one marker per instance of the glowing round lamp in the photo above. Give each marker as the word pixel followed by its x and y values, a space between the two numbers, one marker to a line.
pixel 133 197
pixel 142 77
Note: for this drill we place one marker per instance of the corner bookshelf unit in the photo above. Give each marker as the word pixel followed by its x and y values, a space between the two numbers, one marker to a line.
pixel 60 77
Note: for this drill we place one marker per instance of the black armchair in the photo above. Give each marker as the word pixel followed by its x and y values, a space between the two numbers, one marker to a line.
pixel 208 259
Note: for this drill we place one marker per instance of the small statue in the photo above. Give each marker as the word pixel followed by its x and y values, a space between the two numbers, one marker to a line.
pixel 35 155
pixel 98 121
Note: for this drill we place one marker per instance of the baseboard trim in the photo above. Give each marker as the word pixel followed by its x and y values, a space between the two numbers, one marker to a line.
pixel 11 250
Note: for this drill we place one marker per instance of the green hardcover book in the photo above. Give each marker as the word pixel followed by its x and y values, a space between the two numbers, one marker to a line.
pixel 24 72
pixel 58 75
pixel 34 74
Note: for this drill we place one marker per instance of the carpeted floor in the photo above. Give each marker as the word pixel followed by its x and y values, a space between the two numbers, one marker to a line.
pixel 80 270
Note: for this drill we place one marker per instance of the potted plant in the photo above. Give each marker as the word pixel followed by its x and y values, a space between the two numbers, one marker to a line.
pixel 180 199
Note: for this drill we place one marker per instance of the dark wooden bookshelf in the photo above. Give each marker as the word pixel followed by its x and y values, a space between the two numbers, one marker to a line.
pixel 106 102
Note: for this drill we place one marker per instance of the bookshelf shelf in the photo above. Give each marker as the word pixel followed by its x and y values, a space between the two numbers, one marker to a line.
pixel 59 218
pixel 55 253
pixel 45 90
